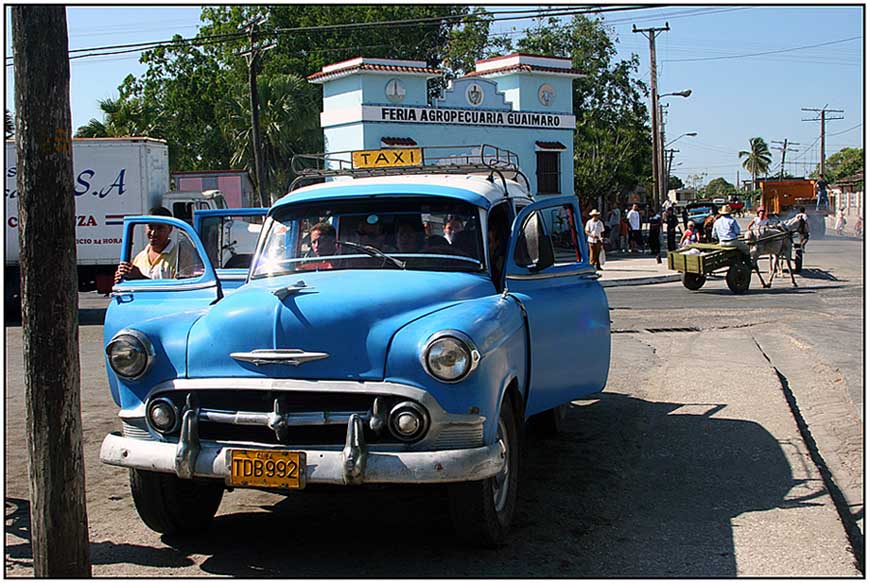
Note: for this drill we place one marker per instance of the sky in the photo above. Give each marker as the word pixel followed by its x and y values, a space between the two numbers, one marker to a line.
pixel 713 50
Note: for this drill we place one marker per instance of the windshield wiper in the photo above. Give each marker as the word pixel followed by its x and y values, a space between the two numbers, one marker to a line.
pixel 374 252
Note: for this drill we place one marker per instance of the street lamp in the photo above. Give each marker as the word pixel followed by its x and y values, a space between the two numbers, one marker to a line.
pixel 659 147
pixel 689 134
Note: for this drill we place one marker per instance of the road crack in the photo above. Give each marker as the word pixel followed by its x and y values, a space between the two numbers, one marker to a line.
pixel 853 533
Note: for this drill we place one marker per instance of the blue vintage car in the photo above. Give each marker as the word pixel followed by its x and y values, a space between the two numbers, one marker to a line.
pixel 397 328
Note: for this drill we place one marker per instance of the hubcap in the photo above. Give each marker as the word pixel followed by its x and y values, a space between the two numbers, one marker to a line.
pixel 500 480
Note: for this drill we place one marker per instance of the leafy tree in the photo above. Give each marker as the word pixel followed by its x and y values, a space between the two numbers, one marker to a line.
pixel 195 95
pixel 120 118
pixel 719 187
pixel 842 164
pixel 675 182
pixel 757 159
pixel 612 146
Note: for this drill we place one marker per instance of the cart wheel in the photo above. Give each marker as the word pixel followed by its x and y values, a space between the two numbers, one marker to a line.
pixel 694 281
pixel 738 277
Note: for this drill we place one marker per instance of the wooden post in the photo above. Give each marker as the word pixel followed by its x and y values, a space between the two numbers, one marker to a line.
pixel 49 285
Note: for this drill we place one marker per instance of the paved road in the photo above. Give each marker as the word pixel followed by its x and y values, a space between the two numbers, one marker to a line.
pixel 673 471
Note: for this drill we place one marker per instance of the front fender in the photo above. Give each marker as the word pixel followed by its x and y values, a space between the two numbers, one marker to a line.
pixel 168 336
pixel 496 326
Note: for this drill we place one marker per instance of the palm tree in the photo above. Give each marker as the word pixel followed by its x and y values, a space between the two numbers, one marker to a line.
pixel 121 117
pixel 757 160
pixel 289 124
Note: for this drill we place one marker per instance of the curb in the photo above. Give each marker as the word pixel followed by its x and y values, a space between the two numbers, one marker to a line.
pixel 671 277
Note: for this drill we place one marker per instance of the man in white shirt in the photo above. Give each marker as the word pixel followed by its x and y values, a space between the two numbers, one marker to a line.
pixel 634 238
pixel 595 237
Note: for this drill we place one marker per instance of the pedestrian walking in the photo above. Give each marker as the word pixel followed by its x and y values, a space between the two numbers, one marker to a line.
pixel 595 237
pixel 613 223
pixel 685 217
pixel 624 234
pixel 841 221
pixel 655 236
pixel 634 238
pixel 671 223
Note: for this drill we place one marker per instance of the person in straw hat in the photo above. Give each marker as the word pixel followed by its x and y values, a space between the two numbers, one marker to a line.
pixel 594 235
pixel 727 231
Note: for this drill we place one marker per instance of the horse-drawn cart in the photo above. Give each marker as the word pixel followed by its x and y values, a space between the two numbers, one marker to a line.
pixel 699 260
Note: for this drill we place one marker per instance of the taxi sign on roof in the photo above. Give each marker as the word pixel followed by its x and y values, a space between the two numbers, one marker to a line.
pixel 390 158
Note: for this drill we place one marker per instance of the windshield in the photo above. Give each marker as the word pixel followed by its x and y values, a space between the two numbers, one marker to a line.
pixel 413 234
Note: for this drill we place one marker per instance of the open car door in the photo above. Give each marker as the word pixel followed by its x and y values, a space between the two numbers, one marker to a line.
pixel 187 282
pixel 230 239
pixel 548 272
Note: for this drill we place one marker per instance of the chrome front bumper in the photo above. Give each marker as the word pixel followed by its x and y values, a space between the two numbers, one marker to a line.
pixel 354 464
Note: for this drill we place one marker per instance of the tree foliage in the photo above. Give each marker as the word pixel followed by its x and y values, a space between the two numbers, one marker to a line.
pixel 719 187
pixel 612 145
pixel 195 95
pixel 675 182
pixel 847 162
pixel 757 159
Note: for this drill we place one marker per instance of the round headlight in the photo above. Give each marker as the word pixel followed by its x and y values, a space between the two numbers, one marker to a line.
pixel 129 354
pixel 162 415
pixel 450 358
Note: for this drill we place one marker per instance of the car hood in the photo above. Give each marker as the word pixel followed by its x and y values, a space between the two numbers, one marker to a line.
pixel 349 315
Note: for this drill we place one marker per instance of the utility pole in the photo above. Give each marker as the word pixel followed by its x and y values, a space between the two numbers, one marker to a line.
pixel 784 147
pixel 49 293
pixel 670 154
pixel 663 188
pixel 823 117
pixel 651 34
pixel 252 55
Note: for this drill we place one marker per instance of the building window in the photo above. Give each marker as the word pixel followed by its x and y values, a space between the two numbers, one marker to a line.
pixel 548 172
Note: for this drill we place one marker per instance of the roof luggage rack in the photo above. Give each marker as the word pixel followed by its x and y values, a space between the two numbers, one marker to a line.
pixel 466 159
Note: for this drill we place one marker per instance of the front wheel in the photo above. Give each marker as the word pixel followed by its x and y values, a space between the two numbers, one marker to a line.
pixel 168 505
pixel 738 277
pixel 694 281
pixel 482 511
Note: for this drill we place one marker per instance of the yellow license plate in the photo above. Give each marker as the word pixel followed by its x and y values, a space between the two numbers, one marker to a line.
pixel 391 158
pixel 267 468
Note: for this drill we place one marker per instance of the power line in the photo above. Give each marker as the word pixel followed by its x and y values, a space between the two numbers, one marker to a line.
pixel 848 130
pixel 766 52
pixel 463 18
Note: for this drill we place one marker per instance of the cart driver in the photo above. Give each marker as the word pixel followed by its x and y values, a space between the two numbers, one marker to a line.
pixel 727 231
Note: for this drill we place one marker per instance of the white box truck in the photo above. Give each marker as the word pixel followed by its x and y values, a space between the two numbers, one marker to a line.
pixel 113 178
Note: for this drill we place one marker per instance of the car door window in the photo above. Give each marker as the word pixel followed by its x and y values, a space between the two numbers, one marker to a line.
pixel 561 226
pixel 160 251
pixel 534 249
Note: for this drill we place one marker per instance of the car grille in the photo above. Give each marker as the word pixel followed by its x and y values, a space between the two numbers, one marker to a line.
pixel 322 405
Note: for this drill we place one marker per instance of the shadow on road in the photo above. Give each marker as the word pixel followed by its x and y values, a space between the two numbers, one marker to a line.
pixel 102 553
pixel 632 489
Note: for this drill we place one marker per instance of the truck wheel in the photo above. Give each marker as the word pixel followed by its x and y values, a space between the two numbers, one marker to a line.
pixel 550 423
pixel 694 281
pixel 738 277
pixel 482 511
pixel 169 505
